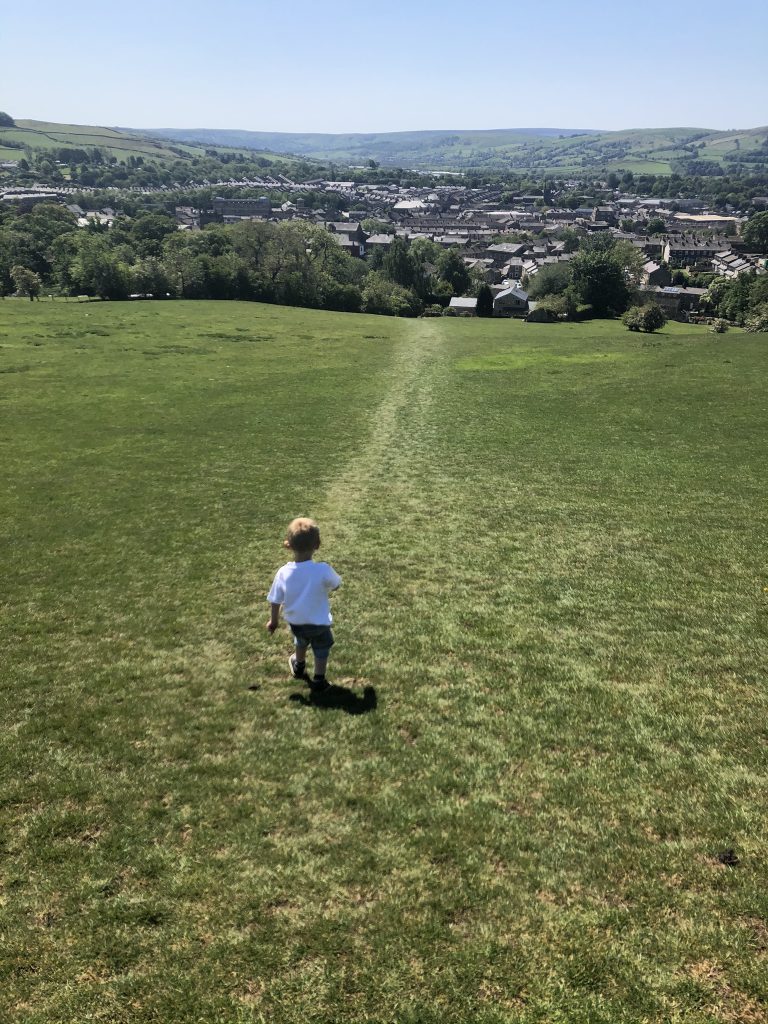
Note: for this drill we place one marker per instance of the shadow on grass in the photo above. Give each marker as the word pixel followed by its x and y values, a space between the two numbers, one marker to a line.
pixel 339 698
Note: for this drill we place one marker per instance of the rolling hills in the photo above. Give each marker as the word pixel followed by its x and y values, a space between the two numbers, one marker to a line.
pixel 41 136
pixel 542 150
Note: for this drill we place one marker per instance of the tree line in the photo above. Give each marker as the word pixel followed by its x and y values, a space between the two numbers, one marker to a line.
pixel 293 263
pixel 299 263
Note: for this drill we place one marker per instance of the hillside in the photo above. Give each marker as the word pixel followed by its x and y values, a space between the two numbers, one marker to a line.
pixel 535 791
pixel 542 150
pixel 41 136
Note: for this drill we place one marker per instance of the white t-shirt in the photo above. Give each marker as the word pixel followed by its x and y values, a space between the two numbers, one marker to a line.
pixel 302 589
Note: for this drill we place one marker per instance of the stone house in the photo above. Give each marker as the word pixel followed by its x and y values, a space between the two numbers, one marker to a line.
pixel 691 250
pixel 502 252
pixel 731 264
pixel 352 232
pixel 654 274
pixel 510 302
pixel 676 302
pixel 464 306
pixel 382 242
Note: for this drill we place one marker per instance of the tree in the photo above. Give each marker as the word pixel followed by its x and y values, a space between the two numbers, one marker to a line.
pixel 757 323
pixel 374 226
pixel 552 279
pixel 149 277
pixel 755 232
pixel 737 299
pixel 96 269
pixel 571 237
pixel 26 281
pixel 148 231
pixel 6 121
pixel 656 226
pixel 484 301
pixel 399 265
pixel 440 292
pixel 382 295
pixel 604 274
pixel 452 268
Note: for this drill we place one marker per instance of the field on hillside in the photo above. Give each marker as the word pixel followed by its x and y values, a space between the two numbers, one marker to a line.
pixel 537 790
pixel 549 151
pixel 117 142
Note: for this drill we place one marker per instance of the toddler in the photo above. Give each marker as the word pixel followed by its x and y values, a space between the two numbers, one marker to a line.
pixel 302 588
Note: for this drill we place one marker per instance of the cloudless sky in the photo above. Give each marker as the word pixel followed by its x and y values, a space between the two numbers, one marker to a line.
pixel 362 66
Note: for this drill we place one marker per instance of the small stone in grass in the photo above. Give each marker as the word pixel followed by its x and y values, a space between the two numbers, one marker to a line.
pixel 728 857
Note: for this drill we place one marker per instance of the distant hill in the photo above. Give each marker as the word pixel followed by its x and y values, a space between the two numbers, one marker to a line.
pixel 541 150
pixel 118 142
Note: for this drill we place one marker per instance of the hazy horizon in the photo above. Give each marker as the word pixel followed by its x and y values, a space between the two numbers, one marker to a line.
pixel 394 131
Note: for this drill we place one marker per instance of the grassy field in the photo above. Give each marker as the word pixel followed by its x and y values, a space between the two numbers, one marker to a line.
pixel 537 792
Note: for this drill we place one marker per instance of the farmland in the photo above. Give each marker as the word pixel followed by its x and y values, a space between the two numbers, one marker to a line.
pixel 535 793
pixel 542 151
pixel 531 151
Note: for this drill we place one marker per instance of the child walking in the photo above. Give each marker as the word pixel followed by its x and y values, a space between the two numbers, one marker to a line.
pixel 302 588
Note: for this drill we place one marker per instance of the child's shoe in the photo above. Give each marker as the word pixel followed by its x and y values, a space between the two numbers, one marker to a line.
pixel 298 668
pixel 318 684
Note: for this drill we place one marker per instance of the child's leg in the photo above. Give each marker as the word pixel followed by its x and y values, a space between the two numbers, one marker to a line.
pixel 297 661
pixel 321 648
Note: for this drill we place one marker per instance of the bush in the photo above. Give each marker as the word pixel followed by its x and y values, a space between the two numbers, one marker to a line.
pixel 633 318
pixel 758 322
pixel 564 306
pixel 541 315
pixel 654 318
pixel 344 298
pixel 644 318
pixel 719 326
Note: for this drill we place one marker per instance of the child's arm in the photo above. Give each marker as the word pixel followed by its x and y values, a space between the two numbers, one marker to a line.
pixel 333 580
pixel 274 617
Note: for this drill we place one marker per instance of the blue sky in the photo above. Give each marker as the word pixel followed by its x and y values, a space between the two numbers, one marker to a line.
pixel 388 66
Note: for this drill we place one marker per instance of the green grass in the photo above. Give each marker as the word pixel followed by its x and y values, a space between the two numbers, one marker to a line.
pixel 552 625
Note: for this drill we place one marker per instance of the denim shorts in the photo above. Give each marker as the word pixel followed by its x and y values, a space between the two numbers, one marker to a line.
pixel 319 638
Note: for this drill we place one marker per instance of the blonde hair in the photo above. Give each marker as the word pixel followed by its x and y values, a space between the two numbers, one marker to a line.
pixel 302 536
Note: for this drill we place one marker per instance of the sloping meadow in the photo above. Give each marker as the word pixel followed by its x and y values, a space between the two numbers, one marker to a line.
pixel 536 791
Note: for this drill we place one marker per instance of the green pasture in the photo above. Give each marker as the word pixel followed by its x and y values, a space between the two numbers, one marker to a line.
pixel 536 792
pixel 44 135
